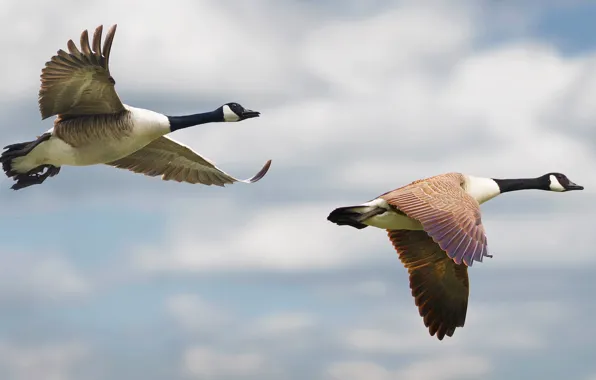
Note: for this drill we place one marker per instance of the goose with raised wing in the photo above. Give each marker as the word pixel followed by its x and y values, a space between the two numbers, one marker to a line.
pixel 93 126
pixel 435 226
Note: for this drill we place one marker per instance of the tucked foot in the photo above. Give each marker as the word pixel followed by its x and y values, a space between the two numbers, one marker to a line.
pixel 34 177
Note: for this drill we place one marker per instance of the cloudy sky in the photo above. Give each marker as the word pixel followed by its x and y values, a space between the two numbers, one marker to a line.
pixel 110 275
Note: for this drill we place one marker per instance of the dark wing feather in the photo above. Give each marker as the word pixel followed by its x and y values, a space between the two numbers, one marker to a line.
pixel 440 287
pixel 79 82
pixel 447 213
pixel 174 161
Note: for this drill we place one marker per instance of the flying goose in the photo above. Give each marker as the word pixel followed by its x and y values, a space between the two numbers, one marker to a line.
pixel 435 226
pixel 94 127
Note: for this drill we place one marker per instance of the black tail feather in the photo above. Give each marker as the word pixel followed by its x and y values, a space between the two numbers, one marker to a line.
pixel 33 177
pixel 17 146
pixel 354 215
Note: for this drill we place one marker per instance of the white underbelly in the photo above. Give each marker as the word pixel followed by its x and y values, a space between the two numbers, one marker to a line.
pixel 58 153
pixel 390 220
pixel 100 154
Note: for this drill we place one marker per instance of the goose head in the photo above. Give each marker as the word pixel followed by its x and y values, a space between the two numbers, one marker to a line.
pixel 235 112
pixel 559 182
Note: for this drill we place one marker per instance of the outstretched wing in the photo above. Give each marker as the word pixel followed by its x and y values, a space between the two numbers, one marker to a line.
pixel 79 82
pixel 440 287
pixel 447 213
pixel 174 161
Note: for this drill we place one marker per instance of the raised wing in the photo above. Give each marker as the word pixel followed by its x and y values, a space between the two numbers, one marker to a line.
pixel 440 287
pixel 447 213
pixel 79 82
pixel 174 161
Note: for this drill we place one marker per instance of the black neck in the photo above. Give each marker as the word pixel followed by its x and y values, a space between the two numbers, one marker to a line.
pixel 179 122
pixel 506 185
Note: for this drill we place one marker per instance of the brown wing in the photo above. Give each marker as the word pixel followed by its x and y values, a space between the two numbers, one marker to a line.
pixel 447 213
pixel 177 162
pixel 440 287
pixel 79 82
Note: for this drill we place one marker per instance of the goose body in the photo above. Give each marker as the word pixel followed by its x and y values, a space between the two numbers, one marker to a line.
pixel 93 126
pixel 67 146
pixel 435 226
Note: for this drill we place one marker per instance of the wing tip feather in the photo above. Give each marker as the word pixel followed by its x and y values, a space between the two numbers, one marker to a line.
pixel 107 42
pixel 257 177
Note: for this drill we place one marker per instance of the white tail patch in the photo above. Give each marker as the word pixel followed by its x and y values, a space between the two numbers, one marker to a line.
pixel 22 164
pixel 378 202
pixel 390 220
pixel 482 189
pixel 35 158
pixel 53 152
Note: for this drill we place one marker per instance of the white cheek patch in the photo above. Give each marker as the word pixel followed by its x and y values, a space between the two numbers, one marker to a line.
pixel 229 115
pixel 555 185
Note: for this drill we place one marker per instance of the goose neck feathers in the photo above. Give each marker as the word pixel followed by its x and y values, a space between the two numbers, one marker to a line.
pixel 507 185
pixel 180 122
pixel 549 182
pixel 484 189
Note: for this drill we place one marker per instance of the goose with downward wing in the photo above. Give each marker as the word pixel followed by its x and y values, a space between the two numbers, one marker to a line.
pixel 435 226
pixel 93 126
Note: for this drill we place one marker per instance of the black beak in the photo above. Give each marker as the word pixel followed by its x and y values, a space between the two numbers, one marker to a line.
pixel 573 186
pixel 247 114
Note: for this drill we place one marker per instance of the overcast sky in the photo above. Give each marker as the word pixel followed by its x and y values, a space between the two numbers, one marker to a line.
pixel 111 275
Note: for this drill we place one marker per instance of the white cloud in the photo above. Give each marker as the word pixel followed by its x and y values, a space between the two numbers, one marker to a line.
pixel 453 367
pixel 48 362
pixel 356 370
pixel 383 341
pixel 489 327
pixel 282 324
pixel 371 288
pixel 215 48
pixel 194 314
pixel 372 90
pixel 493 108
pixel 533 240
pixel 365 55
pixel 368 100
pixel 207 363
pixel 48 276
pixel 382 77
pixel 243 52
pixel 447 367
pixel 283 238
pixel 297 237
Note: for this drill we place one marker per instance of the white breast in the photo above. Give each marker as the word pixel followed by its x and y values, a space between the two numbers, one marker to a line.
pixel 147 123
pixel 482 189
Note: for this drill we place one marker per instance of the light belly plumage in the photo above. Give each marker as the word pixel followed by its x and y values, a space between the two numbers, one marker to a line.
pixel 100 153
pixel 58 153
pixel 390 220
